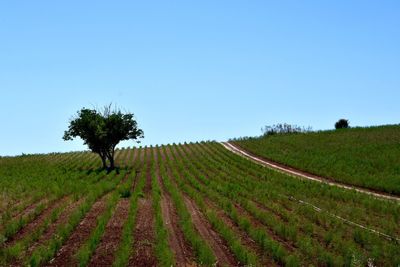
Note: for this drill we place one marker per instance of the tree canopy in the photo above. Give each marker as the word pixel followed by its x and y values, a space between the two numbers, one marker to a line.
pixel 342 124
pixel 102 130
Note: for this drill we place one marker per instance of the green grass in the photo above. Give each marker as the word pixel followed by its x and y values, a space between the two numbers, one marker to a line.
pixel 238 199
pixel 366 157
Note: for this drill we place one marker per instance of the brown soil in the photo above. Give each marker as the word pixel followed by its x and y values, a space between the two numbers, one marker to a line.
pixel 182 250
pixel 36 222
pixel 104 254
pixel 217 244
pixel 62 219
pixel 257 224
pixel 134 155
pixel 15 207
pixel 29 209
pixel 245 239
pixel 144 235
pixel 254 221
pixel 65 256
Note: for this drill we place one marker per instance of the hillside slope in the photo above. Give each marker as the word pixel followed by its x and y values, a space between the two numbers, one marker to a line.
pixel 366 157
pixel 182 205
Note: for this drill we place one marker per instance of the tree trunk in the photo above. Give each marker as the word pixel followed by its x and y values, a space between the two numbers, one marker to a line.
pixel 110 156
pixel 103 160
pixel 112 166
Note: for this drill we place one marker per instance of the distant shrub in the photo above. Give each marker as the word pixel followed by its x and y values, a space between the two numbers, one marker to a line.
pixel 284 128
pixel 342 124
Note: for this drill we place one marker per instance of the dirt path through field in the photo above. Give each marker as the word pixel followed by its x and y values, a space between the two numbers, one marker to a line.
pixel 144 235
pixel 301 174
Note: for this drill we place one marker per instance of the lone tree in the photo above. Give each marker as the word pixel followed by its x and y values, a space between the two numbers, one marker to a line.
pixel 342 124
pixel 102 130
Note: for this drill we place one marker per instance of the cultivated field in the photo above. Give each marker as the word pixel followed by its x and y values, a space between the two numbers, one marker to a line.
pixel 185 205
pixel 366 157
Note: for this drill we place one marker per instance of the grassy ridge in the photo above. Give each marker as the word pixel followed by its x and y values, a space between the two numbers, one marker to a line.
pixel 367 157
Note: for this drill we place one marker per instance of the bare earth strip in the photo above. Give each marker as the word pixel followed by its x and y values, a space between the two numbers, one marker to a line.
pixel 204 228
pixel 144 235
pixel 62 219
pixel 32 225
pixel 65 256
pixel 221 251
pixel 182 251
pixel 104 254
pixel 301 174
pixel 29 209
pixel 245 239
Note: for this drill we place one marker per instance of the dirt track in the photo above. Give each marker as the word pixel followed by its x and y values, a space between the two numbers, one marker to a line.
pixel 301 174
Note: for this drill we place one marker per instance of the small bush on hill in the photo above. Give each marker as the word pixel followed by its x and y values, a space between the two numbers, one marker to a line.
pixel 284 128
pixel 342 124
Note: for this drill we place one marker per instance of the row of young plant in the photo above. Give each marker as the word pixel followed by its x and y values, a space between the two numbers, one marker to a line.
pixel 371 244
pixel 86 251
pixel 382 215
pixel 329 198
pixel 270 247
pixel 373 240
pixel 125 247
pixel 242 253
pixel 46 251
pixel 203 252
pixel 73 189
pixel 31 180
pixel 21 177
pixel 232 184
pixel 17 249
pixel 57 185
pixel 79 184
pixel 163 251
pixel 284 228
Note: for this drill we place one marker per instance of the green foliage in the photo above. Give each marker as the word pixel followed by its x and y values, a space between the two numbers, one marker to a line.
pixel 284 128
pixel 241 201
pixel 125 191
pixel 366 157
pixel 102 131
pixel 342 124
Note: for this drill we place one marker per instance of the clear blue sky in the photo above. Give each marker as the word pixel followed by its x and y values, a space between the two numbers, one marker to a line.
pixel 195 70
